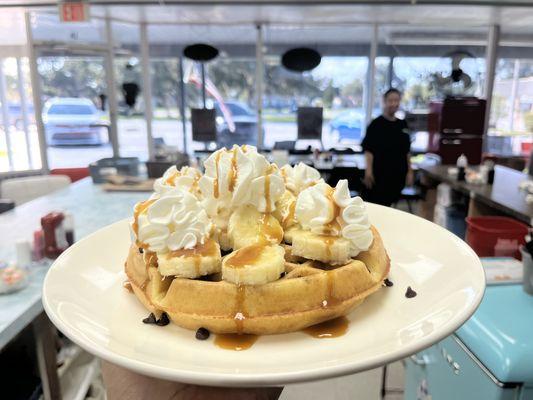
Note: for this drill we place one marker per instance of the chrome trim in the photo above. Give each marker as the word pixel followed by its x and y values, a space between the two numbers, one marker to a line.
pixel 505 385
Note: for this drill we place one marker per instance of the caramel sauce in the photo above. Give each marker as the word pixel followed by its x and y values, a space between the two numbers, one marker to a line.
pixel 331 300
pixel 170 179
pixel 328 241
pixel 138 210
pixel 245 256
pixel 290 215
pixel 236 342
pixel 127 285
pixel 151 260
pixel 216 191
pixel 329 329
pixel 270 233
pixel 208 248
pixel 233 172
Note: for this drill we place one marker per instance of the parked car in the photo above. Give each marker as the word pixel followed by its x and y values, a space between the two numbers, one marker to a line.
pixel 245 120
pixel 348 125
pixel 74 121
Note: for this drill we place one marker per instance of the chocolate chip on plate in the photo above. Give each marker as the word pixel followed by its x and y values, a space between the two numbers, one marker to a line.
pixel 150 319
pixel 163 321
pixel 388 283
pixel 202 334
pixel 141 250
pixel 410 292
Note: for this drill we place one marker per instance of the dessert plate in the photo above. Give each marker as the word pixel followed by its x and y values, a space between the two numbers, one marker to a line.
pixel 84 297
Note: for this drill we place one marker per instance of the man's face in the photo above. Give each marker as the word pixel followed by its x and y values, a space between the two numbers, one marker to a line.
pixel 391 103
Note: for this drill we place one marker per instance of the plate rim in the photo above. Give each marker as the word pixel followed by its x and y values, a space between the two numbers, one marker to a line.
pixel 243 379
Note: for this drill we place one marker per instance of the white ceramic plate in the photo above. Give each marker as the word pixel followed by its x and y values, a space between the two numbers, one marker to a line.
pixel 84 298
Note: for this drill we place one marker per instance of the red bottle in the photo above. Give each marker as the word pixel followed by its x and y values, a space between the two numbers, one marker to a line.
pixel 55 241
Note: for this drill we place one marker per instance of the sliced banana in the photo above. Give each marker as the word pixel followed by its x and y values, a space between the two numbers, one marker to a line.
pixel 248 226
pixel 289 233
pixel 328 249
pixel 256 264
pixel 202 260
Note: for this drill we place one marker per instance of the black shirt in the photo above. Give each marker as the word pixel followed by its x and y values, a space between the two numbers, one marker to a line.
pixel 389 143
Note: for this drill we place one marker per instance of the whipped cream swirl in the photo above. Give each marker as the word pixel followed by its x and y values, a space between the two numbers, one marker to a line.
pixel 237 177
pixel 326 211
pixel 174 221
pixel 300 177
pixel 185 179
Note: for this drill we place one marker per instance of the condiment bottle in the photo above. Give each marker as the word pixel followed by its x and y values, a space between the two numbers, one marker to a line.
pixel 462 163
pixel 55 240
pixel 68 224
pixel 38 245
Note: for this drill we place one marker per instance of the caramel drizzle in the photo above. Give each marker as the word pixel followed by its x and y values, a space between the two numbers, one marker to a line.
pixel 331 300
pixel 329 329
pixel 290 215
pixel 333 227
pixel 171 178
pixel 245 256
pixel 216 192
pixel 138 210
pixel 127 285
pixel 236 342
pixel 205 249
pixel 197 261
pixel 232 176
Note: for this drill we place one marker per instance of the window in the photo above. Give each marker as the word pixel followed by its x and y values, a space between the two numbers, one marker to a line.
pixel 511 118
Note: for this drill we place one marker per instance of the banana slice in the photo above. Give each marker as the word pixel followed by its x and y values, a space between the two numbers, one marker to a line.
pixel 256 264
pixel 248 226
pixel 202 260
pixel 328 249
pixel 289 233
pixel 285 208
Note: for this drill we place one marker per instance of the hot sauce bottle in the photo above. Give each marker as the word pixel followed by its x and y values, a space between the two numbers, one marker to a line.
pixel 55 240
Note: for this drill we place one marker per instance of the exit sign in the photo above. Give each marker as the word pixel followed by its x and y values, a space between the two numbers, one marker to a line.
pixel 73 11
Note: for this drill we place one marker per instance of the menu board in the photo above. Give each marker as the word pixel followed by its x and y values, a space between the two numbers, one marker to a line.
pixel 204 126
pixel 310 122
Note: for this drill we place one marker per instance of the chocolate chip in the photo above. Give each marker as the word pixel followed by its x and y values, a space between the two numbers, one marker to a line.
pixel 141 250
pixel 388 283
pixel 163 321
pixel 283 274
pixel 202 334
pixel 150 319
pixel 410 292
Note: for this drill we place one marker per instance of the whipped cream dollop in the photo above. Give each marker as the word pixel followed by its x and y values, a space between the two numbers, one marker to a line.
pixel 327 211
pixel 174 221
pixel 300 177
pixel 237 177
pixel 185 179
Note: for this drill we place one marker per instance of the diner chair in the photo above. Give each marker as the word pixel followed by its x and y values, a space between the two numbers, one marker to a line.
pixel 22 190
pixel 75 174
pixel 411 194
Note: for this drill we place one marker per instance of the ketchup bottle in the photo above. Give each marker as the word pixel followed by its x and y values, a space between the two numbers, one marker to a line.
pixel 55 241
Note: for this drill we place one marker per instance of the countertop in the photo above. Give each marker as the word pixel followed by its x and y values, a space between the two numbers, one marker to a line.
pixel 504 195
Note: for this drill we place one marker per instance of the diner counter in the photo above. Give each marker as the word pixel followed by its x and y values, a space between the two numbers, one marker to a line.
pixel 91 207
pixel 503 195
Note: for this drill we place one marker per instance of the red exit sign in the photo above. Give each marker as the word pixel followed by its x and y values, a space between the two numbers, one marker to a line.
pixel 73 11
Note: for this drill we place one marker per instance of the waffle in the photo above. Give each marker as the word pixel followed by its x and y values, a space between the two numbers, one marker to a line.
pixel 310 292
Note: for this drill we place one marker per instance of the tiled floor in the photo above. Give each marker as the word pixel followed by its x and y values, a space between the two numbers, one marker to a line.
pixel 362 386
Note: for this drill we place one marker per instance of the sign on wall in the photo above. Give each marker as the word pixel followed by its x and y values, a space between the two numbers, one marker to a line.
pixel 74 11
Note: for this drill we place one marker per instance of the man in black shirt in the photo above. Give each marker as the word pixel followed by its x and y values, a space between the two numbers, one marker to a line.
pixel 386 146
